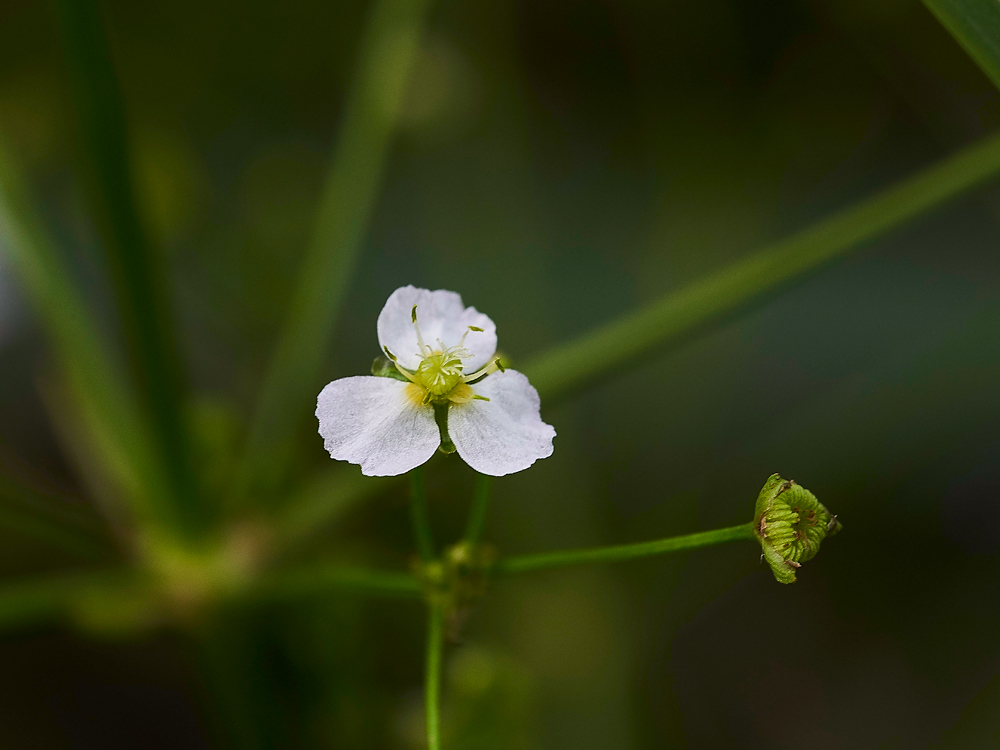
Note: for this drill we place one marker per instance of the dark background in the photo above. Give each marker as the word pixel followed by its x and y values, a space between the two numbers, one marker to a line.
pixel 559 164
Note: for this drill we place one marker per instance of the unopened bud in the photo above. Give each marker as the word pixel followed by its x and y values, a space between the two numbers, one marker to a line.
pixel 790 523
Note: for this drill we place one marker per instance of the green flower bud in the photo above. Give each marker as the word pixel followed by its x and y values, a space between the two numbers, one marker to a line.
pixel 790 523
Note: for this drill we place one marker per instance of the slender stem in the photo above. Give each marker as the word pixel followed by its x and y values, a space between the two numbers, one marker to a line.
pixel 389 45
pixel 976 26
pixel 54 597
pixel 625 342
pixel 116 428
pixel 480 504
pixel 318 579
pixel 432 684
pixel 420 515
pixel 137 275
pixel 524 563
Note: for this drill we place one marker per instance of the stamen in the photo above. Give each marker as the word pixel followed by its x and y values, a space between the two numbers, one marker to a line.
pixel 490 368
pixel 405 374
pixel 424 349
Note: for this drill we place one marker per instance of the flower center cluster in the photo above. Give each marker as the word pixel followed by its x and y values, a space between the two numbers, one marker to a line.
pixel 440 376
pixel 439 372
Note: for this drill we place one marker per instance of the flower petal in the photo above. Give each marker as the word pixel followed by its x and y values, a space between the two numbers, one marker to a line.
pixel 441 315
pixel 374 422
pixel 506 433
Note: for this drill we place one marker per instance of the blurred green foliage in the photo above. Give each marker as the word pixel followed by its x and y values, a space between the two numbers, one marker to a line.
pixel 562 165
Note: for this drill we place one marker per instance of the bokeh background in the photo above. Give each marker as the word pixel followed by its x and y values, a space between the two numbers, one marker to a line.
pixel 559 164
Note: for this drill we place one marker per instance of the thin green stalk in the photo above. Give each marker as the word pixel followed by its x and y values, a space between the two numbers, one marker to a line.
pixel 624 343
pixel 322 578
pixel 420 515
pixel 975 24
pixel 136 273
pixel 55 521
pixel 525 563
pixel 315 507
pixel 51 532
pixel 115 425
pixel 432 684
pixel 294 377
pixel 52 598
pixel 480 505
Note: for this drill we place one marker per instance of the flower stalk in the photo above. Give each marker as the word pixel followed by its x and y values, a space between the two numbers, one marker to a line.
pixel 618 553
pixel 480 505
pixel 420 516
pixel 432 674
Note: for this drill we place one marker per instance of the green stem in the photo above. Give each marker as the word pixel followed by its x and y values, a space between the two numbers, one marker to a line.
pixel 117 430
pixel 420 516
pixel 524 563
pixel 480 505
pixel 135 269
pixel 318 579
pixel 52 598
pixel 623 343
pixel 432 685
pixel 976 26
pixel 294 376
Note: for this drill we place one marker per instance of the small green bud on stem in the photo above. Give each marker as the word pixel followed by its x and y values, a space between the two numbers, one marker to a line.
pixel 790 523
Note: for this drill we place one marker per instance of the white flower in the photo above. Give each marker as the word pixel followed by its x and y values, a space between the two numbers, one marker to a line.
pixel 445 352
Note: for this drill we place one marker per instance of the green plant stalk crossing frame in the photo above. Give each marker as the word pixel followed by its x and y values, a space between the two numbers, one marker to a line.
pixel 480 505
pixel 432 682
pixel 135 269
pixel 420 516
pixel 118 426
pixel 624 342
pixel 387 52
pixel 976 26
pixel 619 553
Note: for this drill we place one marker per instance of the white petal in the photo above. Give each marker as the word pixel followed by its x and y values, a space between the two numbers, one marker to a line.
pixel 375 423
pixel 441 315
pixel 506 433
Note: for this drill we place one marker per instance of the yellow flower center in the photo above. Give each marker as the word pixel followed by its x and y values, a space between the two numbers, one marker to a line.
pixel 440 372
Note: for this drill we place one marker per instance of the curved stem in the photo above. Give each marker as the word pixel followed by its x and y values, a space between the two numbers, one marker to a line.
pixel 480 504
pixel 432 681
pixel 420 515
pixel 524 563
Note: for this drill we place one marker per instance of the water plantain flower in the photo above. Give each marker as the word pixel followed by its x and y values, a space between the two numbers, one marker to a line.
pixel 790 523
pixel 445 388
